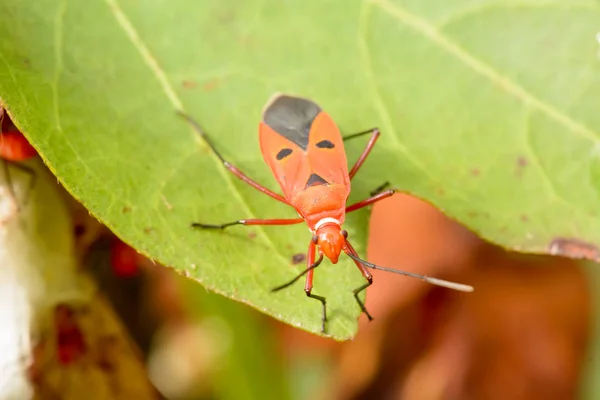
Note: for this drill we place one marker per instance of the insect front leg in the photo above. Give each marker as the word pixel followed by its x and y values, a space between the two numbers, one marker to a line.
pixel 249 222
pixel 309 283
pixel 309 271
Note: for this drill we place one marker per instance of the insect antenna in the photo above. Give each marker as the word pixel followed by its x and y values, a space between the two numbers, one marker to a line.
pixel 433 281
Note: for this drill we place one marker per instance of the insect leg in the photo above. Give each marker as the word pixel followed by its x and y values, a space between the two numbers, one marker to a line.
pixel 234 170
pixel 309 283
pixel 358 134
pixel 370 200
pixel 365 272
pixel 379 189
pixel 309 271
pixel 374 136
pixel 249 222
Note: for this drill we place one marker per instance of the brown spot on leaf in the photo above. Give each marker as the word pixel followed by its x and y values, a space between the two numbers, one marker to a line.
pixel 522 162
pixel 252 235
pixel 472 214
pixel 574 248
pixel 298 258
pixel 189 84
pixel 226 17
pixel 210 85
pixel 475 172
pixel 148 230
pixel 125 210
pixel 524 218
pixel 245 40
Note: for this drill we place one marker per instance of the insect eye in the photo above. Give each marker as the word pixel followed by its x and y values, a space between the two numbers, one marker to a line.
pixel 345 234
pixel 325 144
pixel 315 239
pixel 283 153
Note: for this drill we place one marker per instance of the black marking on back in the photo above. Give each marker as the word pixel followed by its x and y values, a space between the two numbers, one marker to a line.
pixel 292 118
pixel 283 153
pixel 315 180
pixel 325 144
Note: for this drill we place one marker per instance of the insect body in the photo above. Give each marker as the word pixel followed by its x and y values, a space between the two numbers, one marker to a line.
pixel 304 149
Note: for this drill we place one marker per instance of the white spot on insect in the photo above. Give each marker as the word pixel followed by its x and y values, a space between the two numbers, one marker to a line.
pixel 327 220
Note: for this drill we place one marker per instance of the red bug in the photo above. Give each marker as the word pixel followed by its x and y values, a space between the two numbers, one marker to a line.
pixel 304 149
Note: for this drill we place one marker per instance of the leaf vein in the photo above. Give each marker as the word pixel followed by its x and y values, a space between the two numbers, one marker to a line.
pixel 380 104
pixel 482 8
pixel 534 159
pixel 423 27
pixel 151 61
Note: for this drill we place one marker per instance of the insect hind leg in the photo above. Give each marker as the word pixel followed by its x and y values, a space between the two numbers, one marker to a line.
pixel 234 170
pixel 203 134
pixel 358 134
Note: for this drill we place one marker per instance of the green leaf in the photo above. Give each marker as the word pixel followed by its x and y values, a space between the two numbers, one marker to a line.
pixel 487 108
